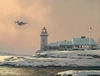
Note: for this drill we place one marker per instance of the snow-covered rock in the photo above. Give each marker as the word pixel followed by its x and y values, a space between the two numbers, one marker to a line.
pixel 79 73
pixel 55 58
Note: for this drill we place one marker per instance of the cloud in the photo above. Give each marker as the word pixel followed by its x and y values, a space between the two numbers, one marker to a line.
pixel 64 18
pixel 12 35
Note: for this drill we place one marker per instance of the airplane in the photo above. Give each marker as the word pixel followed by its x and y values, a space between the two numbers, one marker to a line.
pixel 20 23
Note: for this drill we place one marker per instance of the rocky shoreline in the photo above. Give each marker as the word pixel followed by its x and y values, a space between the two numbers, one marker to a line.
pixel 64 67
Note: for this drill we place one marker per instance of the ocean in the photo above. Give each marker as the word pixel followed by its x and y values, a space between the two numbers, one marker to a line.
pixel 29 71
pixel 37 71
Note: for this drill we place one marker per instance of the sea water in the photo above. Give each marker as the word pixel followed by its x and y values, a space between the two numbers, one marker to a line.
pixel 29 71
pixel 32 71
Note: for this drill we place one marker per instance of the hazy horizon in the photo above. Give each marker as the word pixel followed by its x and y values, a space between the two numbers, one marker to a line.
pixel 64 20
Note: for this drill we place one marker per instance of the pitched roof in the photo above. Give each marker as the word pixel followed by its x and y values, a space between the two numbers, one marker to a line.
pixel 65 43
pixel 53 44
pixel 83 41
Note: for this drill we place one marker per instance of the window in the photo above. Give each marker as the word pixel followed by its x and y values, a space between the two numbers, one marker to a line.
pixel 80 46
pixel 69 46
pixel 43 40
pixel 62 46
pixel 77 46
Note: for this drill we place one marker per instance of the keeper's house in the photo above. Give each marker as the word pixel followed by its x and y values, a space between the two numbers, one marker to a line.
pixel 75 44
pixel 52 46
pixel 84 43
pixel 65 45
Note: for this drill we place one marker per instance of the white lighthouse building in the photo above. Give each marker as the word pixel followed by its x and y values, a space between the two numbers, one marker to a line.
pixel 75 44
pixel 44 39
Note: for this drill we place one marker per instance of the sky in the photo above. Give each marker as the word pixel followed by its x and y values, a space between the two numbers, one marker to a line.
pixel 64 20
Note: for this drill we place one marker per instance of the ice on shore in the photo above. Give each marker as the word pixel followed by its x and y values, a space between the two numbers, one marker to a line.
pixel 55 58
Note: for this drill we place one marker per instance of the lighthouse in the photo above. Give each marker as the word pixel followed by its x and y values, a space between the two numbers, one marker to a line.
pixel 44 38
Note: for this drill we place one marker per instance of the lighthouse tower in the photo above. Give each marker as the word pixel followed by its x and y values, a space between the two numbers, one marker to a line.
pixel 44 39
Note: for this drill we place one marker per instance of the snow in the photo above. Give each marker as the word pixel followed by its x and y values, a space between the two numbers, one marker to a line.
pixel 55 58
pixel 66 43
pixel 78 41
pixel 3 57
pixel 80 73
pixel 53 44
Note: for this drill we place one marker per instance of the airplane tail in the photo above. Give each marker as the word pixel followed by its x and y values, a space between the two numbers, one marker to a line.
pixel 15 21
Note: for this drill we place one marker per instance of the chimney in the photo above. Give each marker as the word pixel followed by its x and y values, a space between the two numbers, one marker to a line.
pixel 83 37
